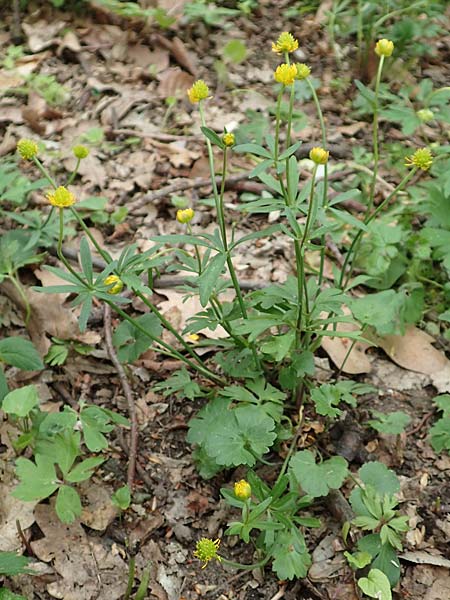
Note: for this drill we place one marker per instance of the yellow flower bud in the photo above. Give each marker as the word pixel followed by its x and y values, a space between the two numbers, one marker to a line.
pixel 61 197
pixel 285 43
pixel 422 159
pixel 115 282
pixel 80 151
pixel 193 337
pixel 242 490
pixel 228 139
pixel 384 47
pixel 206 550
pixel 199 91
pixel 303 71
pixel 185 215
pixel 27 149
pixel 319 155
pixel 425 115
pixel 285 74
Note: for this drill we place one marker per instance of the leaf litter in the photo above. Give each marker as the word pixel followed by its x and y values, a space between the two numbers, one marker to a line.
pixel 89 566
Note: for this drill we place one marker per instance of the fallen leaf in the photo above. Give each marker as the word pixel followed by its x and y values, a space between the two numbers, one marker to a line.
pixel 337 349
pixel 42 34
pixel 13 511
pixel 99 511
pixel 174 83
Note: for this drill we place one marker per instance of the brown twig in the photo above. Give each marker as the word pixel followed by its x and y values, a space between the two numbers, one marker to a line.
pixel 421 423
pixel 178 186
pixel 128 395
pixel 25 542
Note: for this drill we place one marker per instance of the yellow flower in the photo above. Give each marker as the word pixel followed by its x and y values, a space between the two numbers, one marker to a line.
pixel 206 550
pixel 425 115
pixel 228 139
pixel 193 337
pixel 303 71
pixel 384 47
pixel 61 197
pixel 285 43
pixel 80 151
pixel 115 282
pixel 199 91
pixel 422 158
pixel 285 74
pixel 185 215
pixel 319 155
pixel 242 490
pixel 27 149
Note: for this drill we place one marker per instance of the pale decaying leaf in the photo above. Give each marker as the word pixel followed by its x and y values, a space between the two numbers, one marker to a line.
pixel 414 351
pixel 11 512
pixel 174 83
pixel 42 34
pixel 337 349
pixel 99 511
pixel 88 569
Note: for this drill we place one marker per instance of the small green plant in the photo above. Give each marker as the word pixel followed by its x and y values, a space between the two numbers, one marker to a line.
pixel 266 363
pixel 374 504
pixel 57 447
pixel 440 432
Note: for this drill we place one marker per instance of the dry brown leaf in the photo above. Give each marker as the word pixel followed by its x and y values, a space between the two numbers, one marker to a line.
pixel 119 107
pixel 99 511
pixel 91 169
pixel 174 83
pixel 12 511
pixel 88 570
pixel 177 153
pixel 42 34
pixel 337 348
pixel 414 351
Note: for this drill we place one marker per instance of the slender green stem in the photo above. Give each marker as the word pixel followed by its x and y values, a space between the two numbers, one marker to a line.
pixel 277 126
pixel 169 327
pixel 323 131
pixel 196 250
pixel 49 216
pixel 203 370
pixel 345 276
pixel 44 172
pixel 74 173
pixel 221 213
pixel 290 112
pixel 376 156
pixel 16 283
pixel 88 232
pixel 299 256
pixel 130 583
pixel 59 251
pixel 236 565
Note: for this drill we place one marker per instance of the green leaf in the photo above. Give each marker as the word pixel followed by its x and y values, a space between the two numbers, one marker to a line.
pixel 37 480
pixel 13 564
pixel 391 423
pixel 382 479
pixel 6 594
pixel 21 402
pixel 208 279
pixel 95 422
pixel 317 479
pixel 180 384
pixel 212 137
pixel 62 448
pixel 84 469
pixel 245 435
pixel 122 498
pixel 291 557
pixel 19 352
pixel 443 403
pixel 86 260
pixel 131 342
pixel 4 389
pixel 255 149
pixel 235 50
pixel 289 151
pixel 68 504
pixel 440 435
pixel 358 560
pixel 376 585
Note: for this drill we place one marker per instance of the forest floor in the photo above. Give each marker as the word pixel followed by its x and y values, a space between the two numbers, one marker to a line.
pixel 113 78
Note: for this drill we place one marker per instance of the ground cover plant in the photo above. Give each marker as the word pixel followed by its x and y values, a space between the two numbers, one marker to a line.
pixel 368 261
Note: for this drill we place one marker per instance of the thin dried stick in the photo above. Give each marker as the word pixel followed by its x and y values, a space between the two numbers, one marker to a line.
pixel 128 395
